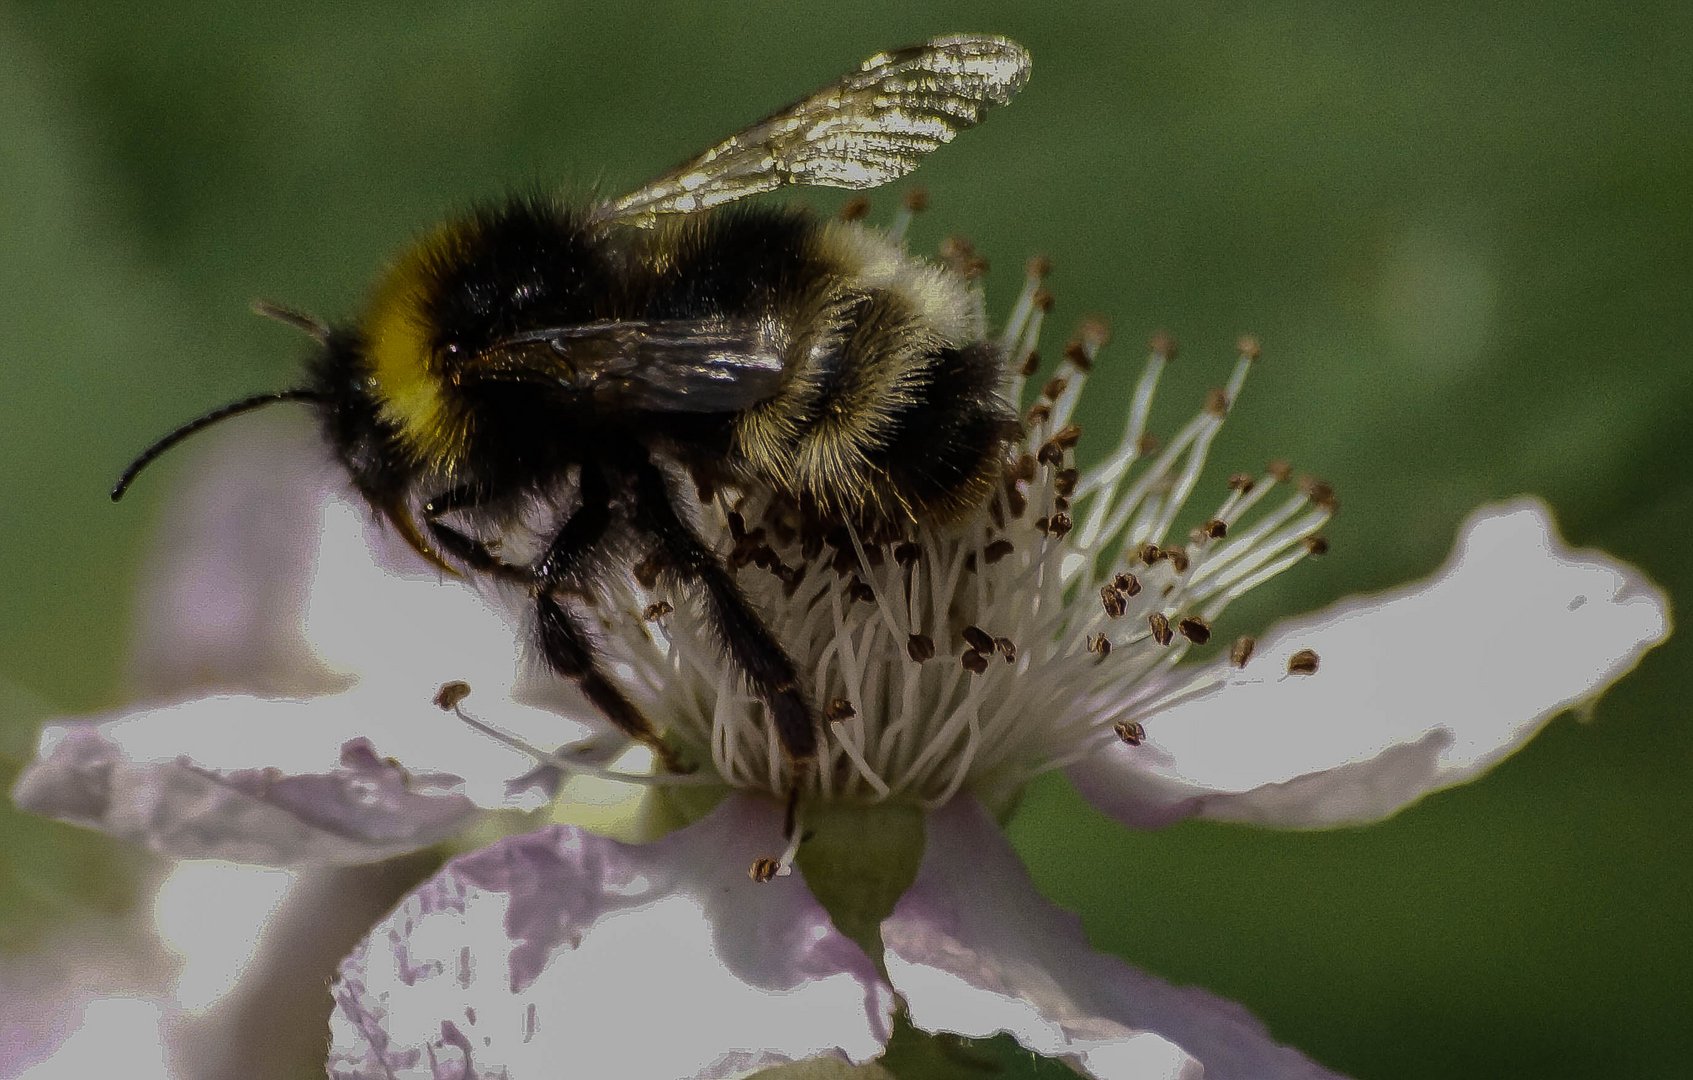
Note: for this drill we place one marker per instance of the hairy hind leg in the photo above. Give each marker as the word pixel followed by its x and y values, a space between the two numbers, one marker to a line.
pixel 766 667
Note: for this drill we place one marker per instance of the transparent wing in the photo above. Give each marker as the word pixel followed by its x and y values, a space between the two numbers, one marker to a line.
pixel 866 129
pixel 670 365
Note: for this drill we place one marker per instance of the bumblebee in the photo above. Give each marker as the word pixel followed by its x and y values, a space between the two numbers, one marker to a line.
pixel 616 352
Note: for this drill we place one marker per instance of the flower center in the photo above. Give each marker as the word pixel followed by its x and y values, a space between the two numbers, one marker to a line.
pixel 1046 627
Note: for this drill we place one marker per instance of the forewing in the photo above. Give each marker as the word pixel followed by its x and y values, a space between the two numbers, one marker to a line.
pixel 864 130
pixel 670 365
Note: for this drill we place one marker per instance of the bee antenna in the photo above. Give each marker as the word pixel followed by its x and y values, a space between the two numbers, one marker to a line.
pixel 310 325
pixel 234 408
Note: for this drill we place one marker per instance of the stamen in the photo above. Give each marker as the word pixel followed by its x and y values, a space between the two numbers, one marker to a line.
pixel 1303 662
pixel 1241 651
pixel 579 758
pixel 916 200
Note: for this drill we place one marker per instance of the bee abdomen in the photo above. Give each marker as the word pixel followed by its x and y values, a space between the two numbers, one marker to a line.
pixel 884 420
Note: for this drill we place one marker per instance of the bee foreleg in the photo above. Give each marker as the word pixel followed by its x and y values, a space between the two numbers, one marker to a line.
pixel 768 671
pixel 463 547
pixel 569 651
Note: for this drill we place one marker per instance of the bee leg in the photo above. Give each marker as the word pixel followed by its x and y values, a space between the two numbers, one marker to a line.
pixel 744 636
pixel 467 549
pixel 567 648
pixel 570 653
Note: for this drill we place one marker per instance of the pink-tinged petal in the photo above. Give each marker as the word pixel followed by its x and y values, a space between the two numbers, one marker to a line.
pixel 222 601
pixel 974 949
pixel 277 579
pixel 99 980
pixel 1417 689
pixel 561 952
pixel 258 780
pixel 113 1036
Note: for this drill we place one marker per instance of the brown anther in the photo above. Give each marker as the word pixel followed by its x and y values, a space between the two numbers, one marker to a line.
pixel 1319 492
pixel 1038 267
pixel 1215 529
pixel 764 869
pixel 1054 386
pixel 920 647
pixel 1162 344
pixel 1068 436
pixel 906 554
pixel 1056 526
pixel 1161 632
pixel 1065 482
pixel 1303 662
pixel 1130 731
pixel 856 208
pixel 1113 602
pixel 1099 645
pixel 860 590
pixel 997 550
pixel 647 570
pixel 1031 363
pixel 1006 648
pixel 1147 445
pixel 1044 300
pixel 845 562
pixel 916 199
pixel 1076 353
pixel 1178 559
pixel 1249 346
pixel 1127 584
pixel 838 710
pixel 1242 482
pixel 1316 545
pixel 1280 470
pixel 1241 651
pixel 974 662
pixel 1149 553
pixel 978 639
pixel 1039 413
pixel 451 694
pixel 765 558
pixel 657 610
pixel 1095 332
pixel 1216 402
pixel 1023 468
pixel 970 562
pixel 1195 629
pixel 1050 453
pixel 1059 502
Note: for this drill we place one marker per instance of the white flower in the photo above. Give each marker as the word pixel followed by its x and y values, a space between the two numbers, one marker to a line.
pixel 951 667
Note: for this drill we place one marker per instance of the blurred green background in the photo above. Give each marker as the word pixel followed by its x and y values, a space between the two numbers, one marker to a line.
pixel 1463 234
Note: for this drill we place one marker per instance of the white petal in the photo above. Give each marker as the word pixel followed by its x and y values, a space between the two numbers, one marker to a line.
pixel 222 600
pixel 210 914
pixel 975 950
pixel 116 1036
pixel 275 578
pixel 563 953
pixel 1417 689
pixel 279 782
